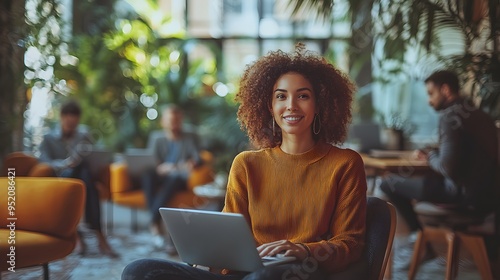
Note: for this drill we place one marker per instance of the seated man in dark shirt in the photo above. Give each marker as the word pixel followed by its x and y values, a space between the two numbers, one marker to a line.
pixel 64 150
pixel 177 153
pixel 463 166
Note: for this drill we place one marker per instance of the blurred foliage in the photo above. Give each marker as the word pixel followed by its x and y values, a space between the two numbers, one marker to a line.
pixel 419 25
pixel 360 47
pixel 124 76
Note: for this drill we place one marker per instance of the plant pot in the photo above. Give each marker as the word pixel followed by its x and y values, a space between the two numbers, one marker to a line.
pixel 393 139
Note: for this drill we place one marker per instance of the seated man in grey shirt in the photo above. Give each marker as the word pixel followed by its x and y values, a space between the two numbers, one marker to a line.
pixel 177 153
pixel 63 150
pixel 463 166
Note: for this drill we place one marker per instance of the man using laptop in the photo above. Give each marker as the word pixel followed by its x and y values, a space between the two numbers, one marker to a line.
pixel 463 165
pixel 176 153
pixel 64 150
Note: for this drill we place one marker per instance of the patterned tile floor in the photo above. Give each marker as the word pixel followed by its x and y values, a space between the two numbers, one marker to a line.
pixel 131 246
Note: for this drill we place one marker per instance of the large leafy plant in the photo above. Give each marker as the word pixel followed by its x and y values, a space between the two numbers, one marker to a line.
pixel 421 28
pixel 141 63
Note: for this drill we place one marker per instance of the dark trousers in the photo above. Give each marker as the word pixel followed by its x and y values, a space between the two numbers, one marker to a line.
pixel 156 269
pixel 160 189
pixel 92 202
pixel 402 190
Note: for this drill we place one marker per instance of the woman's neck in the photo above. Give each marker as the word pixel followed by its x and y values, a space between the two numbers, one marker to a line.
pixel 296 145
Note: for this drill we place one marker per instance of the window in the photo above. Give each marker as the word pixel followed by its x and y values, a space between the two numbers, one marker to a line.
pixel 247 29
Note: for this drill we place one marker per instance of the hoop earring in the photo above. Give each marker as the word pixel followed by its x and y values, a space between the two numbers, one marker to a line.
pixel 274 133
pixel 316 117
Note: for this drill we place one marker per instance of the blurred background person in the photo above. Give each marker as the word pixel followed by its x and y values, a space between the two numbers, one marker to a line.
pixel 177 153
pixel 64 150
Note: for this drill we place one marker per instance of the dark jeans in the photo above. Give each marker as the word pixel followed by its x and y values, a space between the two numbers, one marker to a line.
pixel 159 190
pixel 92 202
pixel 156 269
pixel 402 190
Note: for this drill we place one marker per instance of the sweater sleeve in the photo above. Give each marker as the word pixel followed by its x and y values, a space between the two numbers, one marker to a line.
pixel 348 223
pixel 237 196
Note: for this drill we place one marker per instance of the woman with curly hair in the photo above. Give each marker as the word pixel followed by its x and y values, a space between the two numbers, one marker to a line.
pixel 301 195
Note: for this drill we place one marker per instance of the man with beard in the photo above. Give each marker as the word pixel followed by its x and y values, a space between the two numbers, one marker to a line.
pixel 463 166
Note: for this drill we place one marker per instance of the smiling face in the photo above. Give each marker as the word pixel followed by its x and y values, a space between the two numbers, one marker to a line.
pixel 294 105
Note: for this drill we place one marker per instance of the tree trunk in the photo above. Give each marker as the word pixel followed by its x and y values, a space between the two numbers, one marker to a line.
pixel 361 48
pixel 12 91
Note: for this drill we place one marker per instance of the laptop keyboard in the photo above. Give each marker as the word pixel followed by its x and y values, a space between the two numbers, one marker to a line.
pixel 268 258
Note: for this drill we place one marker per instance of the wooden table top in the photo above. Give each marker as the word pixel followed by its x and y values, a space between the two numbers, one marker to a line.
pixel 403 165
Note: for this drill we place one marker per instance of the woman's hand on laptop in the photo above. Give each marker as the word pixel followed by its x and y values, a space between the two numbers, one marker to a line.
pixel 285 248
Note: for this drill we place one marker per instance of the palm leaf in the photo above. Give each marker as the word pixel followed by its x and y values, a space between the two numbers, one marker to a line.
pixel 323 8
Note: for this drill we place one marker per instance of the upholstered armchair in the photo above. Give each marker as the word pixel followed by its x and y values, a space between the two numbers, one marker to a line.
pixel 44 217
pixel 125 193
pixel 27 165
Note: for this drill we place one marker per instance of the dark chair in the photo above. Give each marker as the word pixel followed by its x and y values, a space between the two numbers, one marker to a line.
pixel 380 229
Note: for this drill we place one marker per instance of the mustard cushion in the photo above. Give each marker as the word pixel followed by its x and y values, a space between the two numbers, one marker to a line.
pixel 32 248
pixel 43 205
pixel 136 199
pixel 46 211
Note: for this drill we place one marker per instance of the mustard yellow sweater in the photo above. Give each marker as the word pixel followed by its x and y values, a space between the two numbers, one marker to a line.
pixel 317 198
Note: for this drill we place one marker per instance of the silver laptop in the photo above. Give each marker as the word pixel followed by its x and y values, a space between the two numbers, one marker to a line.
pixel 139 161
pixel 215 239
pixel 97 160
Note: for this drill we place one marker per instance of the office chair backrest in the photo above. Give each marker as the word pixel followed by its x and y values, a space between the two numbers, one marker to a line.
pixel 380 229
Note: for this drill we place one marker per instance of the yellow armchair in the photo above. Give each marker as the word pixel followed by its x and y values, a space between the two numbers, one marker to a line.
pixel 47 212
pixel 124 193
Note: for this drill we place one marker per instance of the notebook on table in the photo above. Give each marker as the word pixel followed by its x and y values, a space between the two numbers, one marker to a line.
pixel 215 239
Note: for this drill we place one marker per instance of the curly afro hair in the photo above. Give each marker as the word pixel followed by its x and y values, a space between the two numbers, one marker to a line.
pixel 333 91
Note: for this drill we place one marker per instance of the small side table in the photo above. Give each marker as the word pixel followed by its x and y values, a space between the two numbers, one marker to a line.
pixel 213 194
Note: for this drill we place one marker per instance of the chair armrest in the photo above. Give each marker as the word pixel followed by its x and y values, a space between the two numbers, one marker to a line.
pixel 22 162
pixel 200 175
pixel 119 179
pixel 42 170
